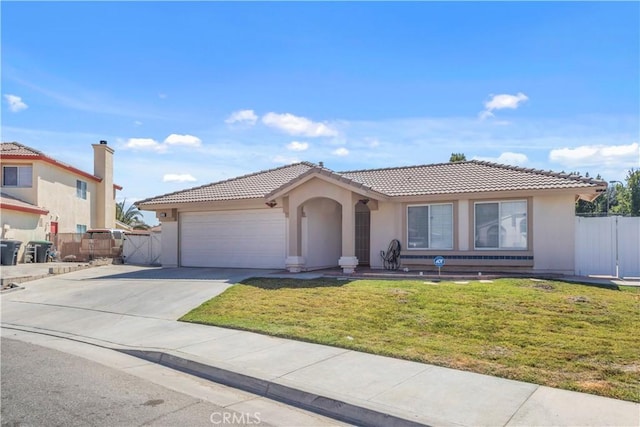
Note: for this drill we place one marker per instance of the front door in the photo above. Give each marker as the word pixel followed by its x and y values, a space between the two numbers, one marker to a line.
pixel 363 233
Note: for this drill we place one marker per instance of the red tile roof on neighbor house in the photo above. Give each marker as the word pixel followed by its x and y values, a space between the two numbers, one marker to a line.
pixel 17 151
pixel 444 178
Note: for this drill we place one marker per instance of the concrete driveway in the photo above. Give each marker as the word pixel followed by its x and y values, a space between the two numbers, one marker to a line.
pixel 161 293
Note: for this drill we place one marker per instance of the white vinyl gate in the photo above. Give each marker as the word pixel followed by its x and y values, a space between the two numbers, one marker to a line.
pixel 608 246
pixel 142 249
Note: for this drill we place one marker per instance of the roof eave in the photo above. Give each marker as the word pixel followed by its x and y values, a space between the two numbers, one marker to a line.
pixel 585 193
pixel 329 176
pixel 51 161
pixel 26 209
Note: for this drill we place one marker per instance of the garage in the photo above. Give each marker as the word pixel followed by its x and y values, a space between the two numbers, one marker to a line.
pixel 236 239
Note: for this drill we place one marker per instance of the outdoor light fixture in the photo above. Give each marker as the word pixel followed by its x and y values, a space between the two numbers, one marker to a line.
pixel 364 201
pixel 271 204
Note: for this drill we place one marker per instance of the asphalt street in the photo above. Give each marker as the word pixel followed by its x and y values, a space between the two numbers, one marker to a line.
pixel 44 386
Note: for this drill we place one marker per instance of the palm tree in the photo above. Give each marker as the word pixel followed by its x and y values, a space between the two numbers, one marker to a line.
pixel 130 216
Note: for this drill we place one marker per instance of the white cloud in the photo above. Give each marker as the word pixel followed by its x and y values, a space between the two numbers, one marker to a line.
pixel 162 95
pixel 144 144
pixel 176 177
pixel 623 156
pixel 340 152
pixel 285 160
pixel 499 102
pixel 186 140
pixel 242 116
pixel 298 146
pixel 16 103
pixel 299 126
pixel 137 123
pixel 507 158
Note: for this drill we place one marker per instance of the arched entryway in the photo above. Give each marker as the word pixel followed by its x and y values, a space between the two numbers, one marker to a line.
pixel 363 233
pixel 321 233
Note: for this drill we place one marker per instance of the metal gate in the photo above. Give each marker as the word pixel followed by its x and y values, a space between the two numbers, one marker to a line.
pixel 608 246
pixel 142 249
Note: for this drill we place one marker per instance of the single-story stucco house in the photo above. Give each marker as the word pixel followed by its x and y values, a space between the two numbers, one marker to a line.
pixel 478 215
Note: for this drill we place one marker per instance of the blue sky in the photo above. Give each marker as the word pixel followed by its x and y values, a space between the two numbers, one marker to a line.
pixel 192 93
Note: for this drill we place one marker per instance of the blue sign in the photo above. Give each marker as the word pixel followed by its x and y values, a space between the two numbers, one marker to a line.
pixel 438 261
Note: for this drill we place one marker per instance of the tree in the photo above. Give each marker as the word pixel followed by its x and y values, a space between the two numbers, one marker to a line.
pixel 628 197
pixel 130 216
pixel 618 199
pixel 457 157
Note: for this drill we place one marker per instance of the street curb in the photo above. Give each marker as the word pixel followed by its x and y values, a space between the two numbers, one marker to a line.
pixel 323 405
pixel 11 289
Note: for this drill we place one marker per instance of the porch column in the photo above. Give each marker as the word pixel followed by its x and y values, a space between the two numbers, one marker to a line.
pixel 348 260
pixel 295 262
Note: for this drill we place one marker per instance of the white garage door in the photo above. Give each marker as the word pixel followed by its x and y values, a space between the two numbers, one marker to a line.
pixel 240 239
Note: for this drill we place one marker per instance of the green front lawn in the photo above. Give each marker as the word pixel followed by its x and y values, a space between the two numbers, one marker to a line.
pixel 557 334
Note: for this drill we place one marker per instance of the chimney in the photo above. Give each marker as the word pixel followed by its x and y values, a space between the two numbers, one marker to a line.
pixel 105 203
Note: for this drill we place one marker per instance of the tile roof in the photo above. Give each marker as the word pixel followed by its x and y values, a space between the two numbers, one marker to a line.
pixel 464 177
pixel 255 185
pixel 9 202
pixel 16 149
pixel 444 178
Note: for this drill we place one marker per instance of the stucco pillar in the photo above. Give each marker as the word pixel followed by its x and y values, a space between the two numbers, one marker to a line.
pixel 295 262
pixel 348 260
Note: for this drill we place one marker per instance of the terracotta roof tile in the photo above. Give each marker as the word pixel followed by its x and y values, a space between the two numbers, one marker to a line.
pixel 464 177
pixel 16 149
pixel 255 185
pixel 444 178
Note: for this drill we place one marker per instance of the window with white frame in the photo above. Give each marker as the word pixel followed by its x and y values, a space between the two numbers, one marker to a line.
pixel 17 176
pixel 501 225
pixel 430 226
pixel 81 228
pixel 81 189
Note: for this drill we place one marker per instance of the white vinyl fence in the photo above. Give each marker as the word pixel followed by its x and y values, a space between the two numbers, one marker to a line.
pixel 142 249
pixel 608 246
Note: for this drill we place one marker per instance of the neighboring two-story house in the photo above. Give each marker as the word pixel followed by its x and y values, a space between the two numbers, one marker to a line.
pixel 41 195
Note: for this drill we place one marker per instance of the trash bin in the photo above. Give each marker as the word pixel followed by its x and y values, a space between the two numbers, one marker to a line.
pixel 9 251
pixel 41 252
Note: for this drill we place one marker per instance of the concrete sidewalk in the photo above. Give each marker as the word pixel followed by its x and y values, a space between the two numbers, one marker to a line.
pixel 356 387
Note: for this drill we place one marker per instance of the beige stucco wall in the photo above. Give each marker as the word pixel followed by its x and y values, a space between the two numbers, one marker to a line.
pixel 170 244
pixel 56 189
pixel 321 233
pixel 554 233
pixel 27 194
pixel 386 225
pixel 24 227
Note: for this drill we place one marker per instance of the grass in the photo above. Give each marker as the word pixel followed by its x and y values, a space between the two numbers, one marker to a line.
pixel 557 334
